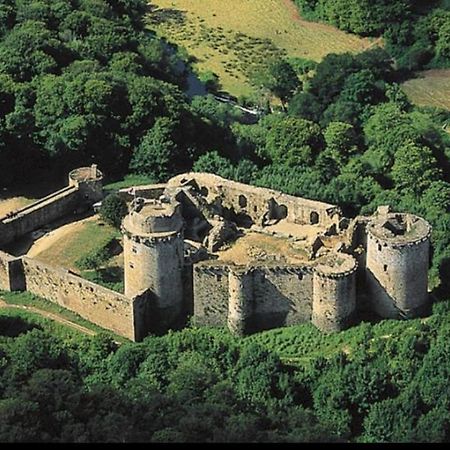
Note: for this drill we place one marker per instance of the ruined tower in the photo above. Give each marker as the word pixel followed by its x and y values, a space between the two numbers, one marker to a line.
pixel 334 293
pixel 154 258
pixel 397 264
pixel 89 181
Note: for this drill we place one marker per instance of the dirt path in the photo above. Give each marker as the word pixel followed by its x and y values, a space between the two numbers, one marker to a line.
pixel 49 315
pixel 49 239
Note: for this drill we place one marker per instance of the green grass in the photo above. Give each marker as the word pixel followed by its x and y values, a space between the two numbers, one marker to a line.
pixel 429 88
pixel 31 300
pixel 235 38
pixel 128 181
pixel 83 241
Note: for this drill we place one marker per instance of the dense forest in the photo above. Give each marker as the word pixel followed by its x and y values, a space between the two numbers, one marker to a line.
pixel 386 382
pixel 86 80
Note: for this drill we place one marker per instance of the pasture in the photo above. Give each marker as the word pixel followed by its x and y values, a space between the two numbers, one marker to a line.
pixel 430 88
pixel 234 38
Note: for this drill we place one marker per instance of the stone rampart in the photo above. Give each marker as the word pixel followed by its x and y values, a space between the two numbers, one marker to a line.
pixel 106 308
pixel 38 214
pixel 210 282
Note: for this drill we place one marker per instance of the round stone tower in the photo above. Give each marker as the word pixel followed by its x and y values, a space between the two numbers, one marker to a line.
pixel 89 181
pixel 154 256
pixel 397 264
pixel 334 292
pixel 240 303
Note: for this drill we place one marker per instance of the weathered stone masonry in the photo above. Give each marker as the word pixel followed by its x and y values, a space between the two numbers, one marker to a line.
pixel 169 272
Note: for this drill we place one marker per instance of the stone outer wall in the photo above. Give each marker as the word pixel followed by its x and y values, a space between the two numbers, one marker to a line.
pixel 211 291
pixel 106 308
pixel 84 189
pixel 252 299
pixel 397 277
pixel 282 296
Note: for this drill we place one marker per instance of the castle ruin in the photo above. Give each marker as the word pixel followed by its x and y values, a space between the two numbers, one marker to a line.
pixel 230 254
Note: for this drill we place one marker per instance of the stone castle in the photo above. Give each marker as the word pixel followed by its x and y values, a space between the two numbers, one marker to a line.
pixel 228 254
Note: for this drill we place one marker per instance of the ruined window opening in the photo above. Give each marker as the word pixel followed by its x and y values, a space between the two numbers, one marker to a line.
pixel 204 191
pixel 134 249
pixel 131 266
pixel 242 201
pixel 255 208
pixel 314 218
pixel 219 278
pixel 385 268
pixel 379 247
pixel 283 212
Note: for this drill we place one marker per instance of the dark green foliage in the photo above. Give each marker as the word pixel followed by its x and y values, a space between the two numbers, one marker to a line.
pixel 280 79
pixel 372 383
pixel 113 210
pixel 84 81
pixel 157 152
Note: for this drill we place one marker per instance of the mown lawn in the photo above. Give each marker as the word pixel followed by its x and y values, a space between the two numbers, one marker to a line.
pixel 233 38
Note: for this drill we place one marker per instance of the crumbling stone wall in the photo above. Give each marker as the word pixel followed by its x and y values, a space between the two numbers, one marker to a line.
pixel 151 191
pixel 256 202
pixel 11 273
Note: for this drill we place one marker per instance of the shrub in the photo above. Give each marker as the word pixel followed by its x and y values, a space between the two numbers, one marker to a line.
pixel 113 210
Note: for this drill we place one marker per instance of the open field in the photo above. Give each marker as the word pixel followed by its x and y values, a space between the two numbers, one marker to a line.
pixel 430 88
pixel 233 38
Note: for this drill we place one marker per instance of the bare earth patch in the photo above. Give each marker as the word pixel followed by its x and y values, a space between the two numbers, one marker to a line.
pixel 262 247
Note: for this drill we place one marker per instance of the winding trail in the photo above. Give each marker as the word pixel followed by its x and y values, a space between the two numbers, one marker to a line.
pixel 49 315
